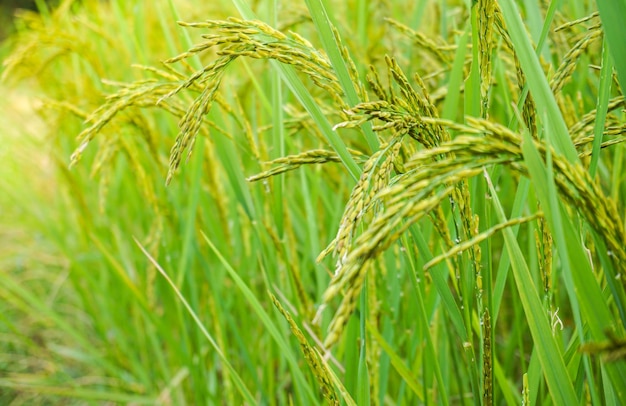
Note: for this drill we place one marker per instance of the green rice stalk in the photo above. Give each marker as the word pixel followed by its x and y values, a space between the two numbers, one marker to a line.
pixel 525 391
pixel 304 302
pixel 487 359
pixel 373 348
pixel 312 357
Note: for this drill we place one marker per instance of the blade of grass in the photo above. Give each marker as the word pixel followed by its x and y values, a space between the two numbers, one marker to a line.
pixel 606 77
pixel 550 356
pixel 272 329
pixel 455 79
pixel 585 295
pixel 440 274
pixel 363 392
pixel 417 290
pixel 120 272
pixel 232 165
pixel 278 133
pixel 189 222
pixel 17 294
pixel 324 29
pixel 241 386
pixel 537 82
pixel 312 226
pixel 612 14
pixel 541 48
pixel 521 196
pixel 407 375
pixel 85 394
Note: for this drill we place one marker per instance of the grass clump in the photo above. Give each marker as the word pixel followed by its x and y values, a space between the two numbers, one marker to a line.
pixel 428 211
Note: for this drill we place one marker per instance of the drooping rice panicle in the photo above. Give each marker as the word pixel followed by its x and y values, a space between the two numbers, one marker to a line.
pixel 437 47
pixel 576 22
pixel 415 267
pixel 564 71
pixel 289 163
pixel 464 245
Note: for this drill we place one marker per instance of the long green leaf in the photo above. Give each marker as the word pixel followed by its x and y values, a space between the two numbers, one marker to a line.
pixel 586 297
pixel 555 372
pixel 325 31
pixel 612 14
pixel 606 77
pixel 235 376
pixel 265 319
pixel 537 81
pixel 397 363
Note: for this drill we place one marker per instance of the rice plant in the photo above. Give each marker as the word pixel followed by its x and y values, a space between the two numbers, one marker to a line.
pixel 328 202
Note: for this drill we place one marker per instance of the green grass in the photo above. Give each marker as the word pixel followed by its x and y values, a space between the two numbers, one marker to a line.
pixel 332 202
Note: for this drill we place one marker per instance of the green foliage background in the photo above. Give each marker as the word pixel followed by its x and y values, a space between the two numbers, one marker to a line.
pixel 166 225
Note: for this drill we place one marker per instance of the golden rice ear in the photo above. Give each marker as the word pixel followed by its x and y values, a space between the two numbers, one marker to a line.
pixel 442 172
pixel 424 185
pixel 570 60
pixel 233 38
pixel 292 162
pixel 486 22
